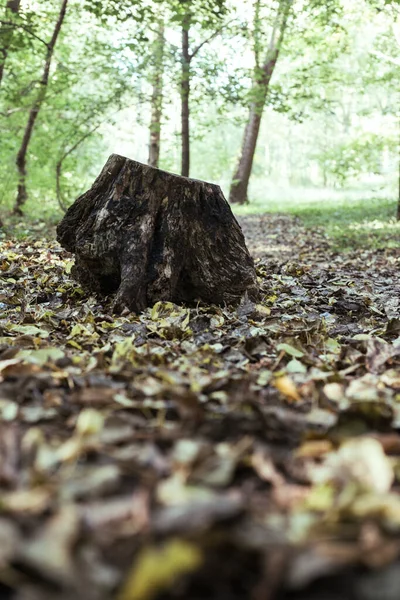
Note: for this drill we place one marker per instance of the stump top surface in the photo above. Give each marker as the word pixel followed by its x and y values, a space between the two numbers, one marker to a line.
pixel 116 158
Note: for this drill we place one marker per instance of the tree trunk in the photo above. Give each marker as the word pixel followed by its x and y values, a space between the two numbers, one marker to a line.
pixel 398 194
pixel 6 36
pixel 186 60
pixel 262 78
pixel 22 194
pixel 185 93
pixel 398 180
pixel 149 235
pixel 157 99
pixel 241 178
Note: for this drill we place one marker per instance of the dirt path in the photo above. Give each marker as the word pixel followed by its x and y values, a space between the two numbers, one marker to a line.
pixel 203 453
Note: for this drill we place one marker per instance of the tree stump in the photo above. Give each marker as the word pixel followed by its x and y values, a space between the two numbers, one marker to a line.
pixel 149 235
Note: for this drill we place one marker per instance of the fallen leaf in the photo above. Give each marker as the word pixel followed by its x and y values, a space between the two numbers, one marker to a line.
pixel 157 569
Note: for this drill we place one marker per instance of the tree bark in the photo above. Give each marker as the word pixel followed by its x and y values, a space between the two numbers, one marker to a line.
pixel 185 93
pixel 22 194
pixel 186 60
pixel 241 178
pixel 398 194
pixel 157 98
pixel 262 78
pixel 398 179
pixel 6 36
pixel 149 235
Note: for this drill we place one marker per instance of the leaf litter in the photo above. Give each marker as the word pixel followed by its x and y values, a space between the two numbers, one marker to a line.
pixel 206 452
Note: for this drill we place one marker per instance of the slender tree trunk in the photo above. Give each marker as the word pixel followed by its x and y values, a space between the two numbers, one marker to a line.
pixel 241 178
pixel 398 193
pixel 6 36
pixel 185 93
pixel 262 78
pixel 157 98
pixel 22 194
pixel 398 175
pixel 186 59
pixel 398 198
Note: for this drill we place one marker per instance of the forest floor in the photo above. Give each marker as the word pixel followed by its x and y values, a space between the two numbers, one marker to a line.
pixel 203 453
pixel 350 219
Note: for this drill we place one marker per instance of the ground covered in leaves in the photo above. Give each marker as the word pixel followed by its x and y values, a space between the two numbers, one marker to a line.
pixel 203 453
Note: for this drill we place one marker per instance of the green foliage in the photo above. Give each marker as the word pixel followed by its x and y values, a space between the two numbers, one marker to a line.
pixel 360 155
pixel 85 89
pixel 205 13
pixel 331 114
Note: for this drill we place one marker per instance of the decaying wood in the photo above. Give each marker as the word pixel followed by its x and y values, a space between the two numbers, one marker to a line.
pixel 149 235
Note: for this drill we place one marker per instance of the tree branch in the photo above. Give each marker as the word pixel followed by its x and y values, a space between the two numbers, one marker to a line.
pixel 283 11
pixel 25 28
pixel 60 199
pixel 209 39
pixel 257 44
pixel 386 57
pixel 72 148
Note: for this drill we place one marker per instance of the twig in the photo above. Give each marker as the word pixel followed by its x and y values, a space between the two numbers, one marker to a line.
pixel 209 39
pixel 25 28
pixel 60 200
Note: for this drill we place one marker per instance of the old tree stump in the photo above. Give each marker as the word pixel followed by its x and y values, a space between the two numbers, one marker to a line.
pixel 149 235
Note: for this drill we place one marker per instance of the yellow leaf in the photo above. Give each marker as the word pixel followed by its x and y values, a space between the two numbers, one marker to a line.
pixel 155 311
pixel 74 344
pixel 70 450
pixel 161 308
pixel 157 569
pixel 68 266
pixel 286 386
pixel 81 330
pixel 185 322
pixel 90 422
pixel 314 449
pixel 263 310
pixel 321 497
pixel 124 350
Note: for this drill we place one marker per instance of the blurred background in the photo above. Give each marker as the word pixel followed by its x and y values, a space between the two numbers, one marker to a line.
pixel 176 83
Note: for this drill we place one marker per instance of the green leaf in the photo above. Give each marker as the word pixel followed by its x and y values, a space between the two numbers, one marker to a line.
pixel 29 330
pixel 42 356
pixel 295 366
pixel 291 350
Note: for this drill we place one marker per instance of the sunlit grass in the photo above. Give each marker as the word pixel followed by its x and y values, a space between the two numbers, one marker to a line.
pixel 351 219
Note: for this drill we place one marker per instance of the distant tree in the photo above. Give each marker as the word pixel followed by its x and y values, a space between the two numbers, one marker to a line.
pixel 392 8
pixel 265 62
pixel 208 17
pixel 157 94
pixel 22 193
pixel 6 31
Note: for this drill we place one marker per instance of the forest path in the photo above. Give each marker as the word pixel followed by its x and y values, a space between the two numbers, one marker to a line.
pixel 260 444
pixel 275 236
